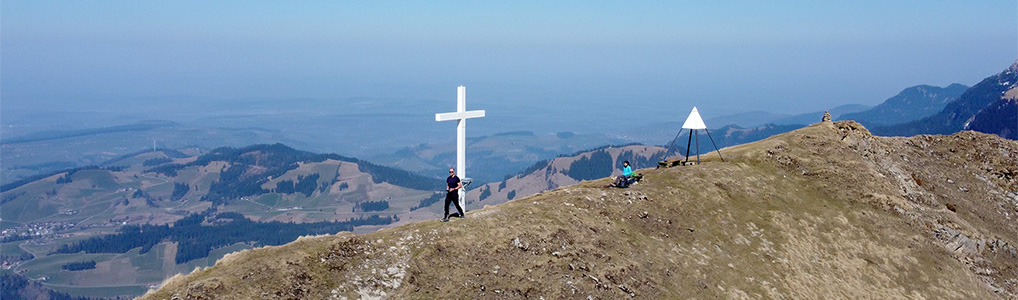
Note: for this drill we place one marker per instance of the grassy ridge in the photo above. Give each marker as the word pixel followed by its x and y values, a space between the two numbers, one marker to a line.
pixel 824 211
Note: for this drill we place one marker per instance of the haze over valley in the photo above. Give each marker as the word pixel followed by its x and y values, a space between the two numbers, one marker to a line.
pixel 140 141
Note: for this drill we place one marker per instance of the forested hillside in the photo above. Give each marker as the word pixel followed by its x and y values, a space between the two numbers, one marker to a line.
pixel 136 219
pixel 198 234
pixel 1000 117
pixel 958 114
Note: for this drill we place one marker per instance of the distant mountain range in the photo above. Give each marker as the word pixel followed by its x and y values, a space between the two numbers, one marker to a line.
pixel 991 106
pixel 911 104
pixel 261 181
pixel 986 98
pixel 746 119
pixel 490 158
pixel 566 170
pixel 760 118
pixel 811 117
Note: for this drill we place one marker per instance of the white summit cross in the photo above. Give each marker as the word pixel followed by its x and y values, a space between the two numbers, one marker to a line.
pixel 461 115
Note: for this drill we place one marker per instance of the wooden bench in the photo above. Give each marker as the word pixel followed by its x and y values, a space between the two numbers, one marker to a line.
pixel 669 164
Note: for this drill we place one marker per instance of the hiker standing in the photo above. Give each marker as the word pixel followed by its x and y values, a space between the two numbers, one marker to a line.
pixel 452 194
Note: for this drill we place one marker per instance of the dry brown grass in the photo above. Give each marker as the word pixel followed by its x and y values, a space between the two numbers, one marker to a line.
pixel 551 176
pixel 827 211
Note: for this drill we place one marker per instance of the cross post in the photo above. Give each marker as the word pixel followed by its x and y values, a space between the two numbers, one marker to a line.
pixel 461 115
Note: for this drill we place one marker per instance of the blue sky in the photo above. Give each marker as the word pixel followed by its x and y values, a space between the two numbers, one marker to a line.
pixel 794 56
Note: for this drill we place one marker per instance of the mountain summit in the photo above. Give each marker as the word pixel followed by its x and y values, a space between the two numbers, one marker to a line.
pixel 824 211
pixel 959 114
pixel 910 104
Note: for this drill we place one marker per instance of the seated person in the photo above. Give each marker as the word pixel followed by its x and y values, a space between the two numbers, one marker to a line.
pixel 627 177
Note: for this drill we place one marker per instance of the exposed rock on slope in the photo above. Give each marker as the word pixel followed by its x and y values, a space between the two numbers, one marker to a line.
pixel 828 211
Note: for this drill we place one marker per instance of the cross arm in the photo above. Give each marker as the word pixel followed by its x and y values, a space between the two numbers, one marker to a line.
pixel 459 115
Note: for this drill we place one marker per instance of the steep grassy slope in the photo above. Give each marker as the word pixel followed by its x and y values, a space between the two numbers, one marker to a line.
pixel 828 211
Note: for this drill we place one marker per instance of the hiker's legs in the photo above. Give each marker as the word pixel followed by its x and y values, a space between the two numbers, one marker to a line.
pixel 450 197
pixel 456 201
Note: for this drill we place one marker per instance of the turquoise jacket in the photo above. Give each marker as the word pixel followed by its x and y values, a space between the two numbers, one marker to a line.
pixel 627 171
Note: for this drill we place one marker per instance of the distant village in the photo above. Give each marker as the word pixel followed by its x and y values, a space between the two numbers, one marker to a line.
pixel 42 233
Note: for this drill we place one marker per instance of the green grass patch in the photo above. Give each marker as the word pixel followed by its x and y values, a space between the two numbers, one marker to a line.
pixel 187 175
pixel 92 210
pixel 327 172
pixel 150 265
pixel 263 214
pixel 51 266
pixel 26 209
pixel 205 182
pixel 83 193
pixel 150 260
pixel 43 250
pixel 161 190
pixel 11 249
pixel 107 292
pixel 101 179
pixel 269 199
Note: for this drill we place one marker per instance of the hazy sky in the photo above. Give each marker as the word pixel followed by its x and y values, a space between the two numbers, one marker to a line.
pixel 729 56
